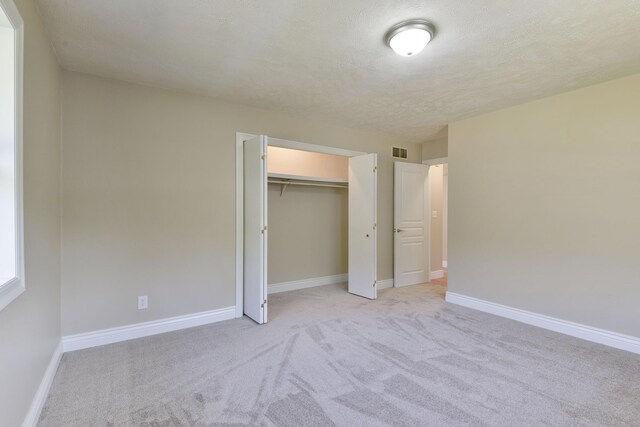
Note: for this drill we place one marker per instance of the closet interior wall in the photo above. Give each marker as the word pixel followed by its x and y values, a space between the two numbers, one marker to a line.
pixel 308 225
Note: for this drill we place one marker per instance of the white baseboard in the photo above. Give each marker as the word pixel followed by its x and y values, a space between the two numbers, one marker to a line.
pixel 385 284
pixel 307 283
pixel 589 333
pixel 444 264
pixel 139 330
pixel 33 415
pixel 438 274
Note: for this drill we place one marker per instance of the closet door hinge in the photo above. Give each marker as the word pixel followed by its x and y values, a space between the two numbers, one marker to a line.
pixel 263 157
pixel 263 304
pixel 374 226
pixel 375 169
pixel 374 283
pixel 264 229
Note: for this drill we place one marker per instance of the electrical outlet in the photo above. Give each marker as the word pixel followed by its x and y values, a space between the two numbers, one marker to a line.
pixel 143 302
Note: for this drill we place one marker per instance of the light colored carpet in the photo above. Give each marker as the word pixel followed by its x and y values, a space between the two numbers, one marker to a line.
pixel 330 358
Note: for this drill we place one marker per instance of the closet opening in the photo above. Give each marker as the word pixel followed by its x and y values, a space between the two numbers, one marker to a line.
pixel 308 219
pixel 306 216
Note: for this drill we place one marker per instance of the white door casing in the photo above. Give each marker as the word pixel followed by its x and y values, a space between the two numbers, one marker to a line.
pixel 255 229
pixel 445 214
pixel 363 225
pixel 411 224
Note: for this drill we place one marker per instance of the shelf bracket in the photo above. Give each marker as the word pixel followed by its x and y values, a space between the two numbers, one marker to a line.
pixel 283 188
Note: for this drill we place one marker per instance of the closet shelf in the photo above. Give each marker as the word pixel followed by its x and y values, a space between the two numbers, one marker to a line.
pixel 306 178
pixel 310 181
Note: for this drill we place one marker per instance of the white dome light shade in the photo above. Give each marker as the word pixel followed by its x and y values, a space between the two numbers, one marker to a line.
pixel 409 42
pixel 410 37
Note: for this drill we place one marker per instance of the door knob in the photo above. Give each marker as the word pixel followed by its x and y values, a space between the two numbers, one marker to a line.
pixel 367 235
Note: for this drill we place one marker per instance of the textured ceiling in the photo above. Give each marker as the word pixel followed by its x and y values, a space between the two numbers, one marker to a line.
pixel 326 58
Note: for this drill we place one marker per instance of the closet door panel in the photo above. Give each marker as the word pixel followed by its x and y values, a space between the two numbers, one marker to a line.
pixel 362 225
pixel 255 229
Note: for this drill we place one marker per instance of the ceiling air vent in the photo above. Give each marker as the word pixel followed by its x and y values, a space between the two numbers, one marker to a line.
pixel 399 153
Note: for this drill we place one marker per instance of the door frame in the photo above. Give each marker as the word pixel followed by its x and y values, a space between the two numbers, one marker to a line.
pixel 275 142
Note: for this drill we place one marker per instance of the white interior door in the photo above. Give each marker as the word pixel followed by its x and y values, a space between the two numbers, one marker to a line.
pixel 411 219
pixel 362 225
pixel 255 228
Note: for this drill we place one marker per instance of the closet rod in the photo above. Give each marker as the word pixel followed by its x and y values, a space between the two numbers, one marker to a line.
pixel 310 184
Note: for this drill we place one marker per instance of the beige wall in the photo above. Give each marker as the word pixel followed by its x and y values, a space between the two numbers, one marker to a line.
pixel 296 162
pixel 30 325
pixel 436 149
pixel 435 191
pixel 149 198
pixel 545 208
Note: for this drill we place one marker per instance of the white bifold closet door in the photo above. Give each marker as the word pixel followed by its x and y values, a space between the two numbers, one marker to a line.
pixel 411 220
pixel 362 225
pixel 255 228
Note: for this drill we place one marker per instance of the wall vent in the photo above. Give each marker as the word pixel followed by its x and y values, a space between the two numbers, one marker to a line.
pixel 399 153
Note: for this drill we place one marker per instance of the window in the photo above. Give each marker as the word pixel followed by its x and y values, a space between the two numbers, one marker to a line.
pixel 11 231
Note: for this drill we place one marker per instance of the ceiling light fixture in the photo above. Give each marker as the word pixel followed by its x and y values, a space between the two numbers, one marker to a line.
pixel 410 37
